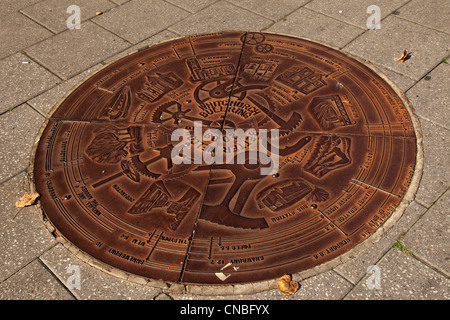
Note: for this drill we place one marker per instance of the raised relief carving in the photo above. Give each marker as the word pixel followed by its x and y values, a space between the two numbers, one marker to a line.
pixel 267 107
pixel 119 107
pixel 264 48
pixel 155 87
pixel 329 153
pixel 302 79
pixel 283 194
pixel 318 195
pixel 223 89
pixel 109 144
pixel 253 38
pixel 158 196
pixel 259 71
pixel 329 112
pixel 200 73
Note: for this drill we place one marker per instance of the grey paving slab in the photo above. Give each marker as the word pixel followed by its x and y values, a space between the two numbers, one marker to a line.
pixel 73 51
pixel 94 284
pixel 384 46
pixel 33 282
pixel 22 79
pixel 162 297
pixel 429 238
pixel 8 6
pixel 23 237
pixel 356 267
pixel 18 134
pixel 435 14
pixel 403 277
pixel 328 285
pixel 15 5
pixel 11 191
pixel 401 81
pixel 119 2
pixel 354 11
pixel 53 13
pixel 430 96
pixel 274 10
pixel 162 36
pixel 140 19
pixel 436 149
pixel 305 23
pixel 192 6
pixel 325 286
pixel 220 16
pixel 18 32
pixel 47 101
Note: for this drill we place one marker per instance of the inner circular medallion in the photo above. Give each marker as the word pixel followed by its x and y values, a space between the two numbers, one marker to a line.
pixel 225 158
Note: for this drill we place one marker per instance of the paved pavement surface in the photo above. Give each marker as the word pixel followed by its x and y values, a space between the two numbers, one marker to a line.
pixel 41 60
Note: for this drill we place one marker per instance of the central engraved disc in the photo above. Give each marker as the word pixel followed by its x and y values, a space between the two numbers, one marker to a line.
pixel 109 185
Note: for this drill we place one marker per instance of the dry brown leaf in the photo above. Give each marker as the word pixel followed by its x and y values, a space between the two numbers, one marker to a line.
pixel 404 56
pixel 287 286
pixel 27 200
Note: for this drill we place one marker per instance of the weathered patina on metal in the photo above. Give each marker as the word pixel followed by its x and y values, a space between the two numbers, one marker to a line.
pixel 347 151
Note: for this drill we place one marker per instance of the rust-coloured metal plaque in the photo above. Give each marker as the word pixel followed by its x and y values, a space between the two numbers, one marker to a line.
pixel 109 184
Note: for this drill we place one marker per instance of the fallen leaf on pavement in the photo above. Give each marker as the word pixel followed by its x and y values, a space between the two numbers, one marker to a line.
pixel 287 286
pixel 405 56
pixel 27 200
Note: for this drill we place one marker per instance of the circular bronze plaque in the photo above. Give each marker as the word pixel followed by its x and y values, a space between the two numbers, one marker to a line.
pixel 111 185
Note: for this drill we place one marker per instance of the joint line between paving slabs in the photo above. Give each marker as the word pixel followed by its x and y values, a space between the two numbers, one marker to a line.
pixel 367 30
pixel 55 276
